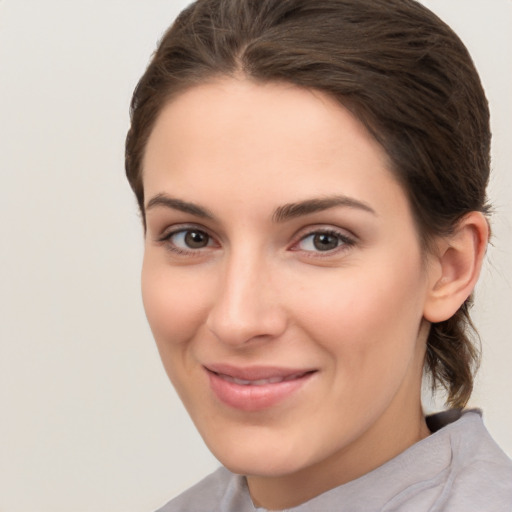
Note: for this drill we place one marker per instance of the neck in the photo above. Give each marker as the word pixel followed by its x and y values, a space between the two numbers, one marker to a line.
pixel 381 443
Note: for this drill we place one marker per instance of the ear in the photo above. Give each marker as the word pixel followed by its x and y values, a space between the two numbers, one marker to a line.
pixel 454 269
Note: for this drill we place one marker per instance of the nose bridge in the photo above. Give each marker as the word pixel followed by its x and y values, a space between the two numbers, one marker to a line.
pixel 246 305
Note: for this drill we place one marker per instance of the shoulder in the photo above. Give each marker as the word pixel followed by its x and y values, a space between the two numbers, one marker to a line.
pixel 219 492
pixel 482 472
pixel 458 468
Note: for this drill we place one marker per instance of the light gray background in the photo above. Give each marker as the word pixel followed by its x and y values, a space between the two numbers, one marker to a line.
pixel 88 421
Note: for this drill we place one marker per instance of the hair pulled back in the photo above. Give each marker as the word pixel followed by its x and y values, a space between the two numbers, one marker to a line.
pixel 400 70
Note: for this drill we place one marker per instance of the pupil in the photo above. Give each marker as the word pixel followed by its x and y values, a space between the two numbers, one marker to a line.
pixel 325 242
pixel 196 239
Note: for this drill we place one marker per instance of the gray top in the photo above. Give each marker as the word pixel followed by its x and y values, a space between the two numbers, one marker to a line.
pixel 459 468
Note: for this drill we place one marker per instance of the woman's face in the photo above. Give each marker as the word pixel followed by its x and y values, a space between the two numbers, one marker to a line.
pixel 283 280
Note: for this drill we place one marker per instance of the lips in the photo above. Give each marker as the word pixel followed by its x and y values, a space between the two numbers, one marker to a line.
pixel 260 382
pixel 255 388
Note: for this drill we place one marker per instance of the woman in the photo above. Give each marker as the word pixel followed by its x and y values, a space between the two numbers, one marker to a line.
pixel 311 177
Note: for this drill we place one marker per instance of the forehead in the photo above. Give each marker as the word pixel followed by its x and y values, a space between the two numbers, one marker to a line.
pixel 236 136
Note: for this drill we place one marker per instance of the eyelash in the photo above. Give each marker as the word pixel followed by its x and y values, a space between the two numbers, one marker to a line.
pixel 166 239
pixel 344 242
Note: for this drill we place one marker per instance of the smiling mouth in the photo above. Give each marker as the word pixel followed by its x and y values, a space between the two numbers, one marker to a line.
pixel 262 382
pixel 256 388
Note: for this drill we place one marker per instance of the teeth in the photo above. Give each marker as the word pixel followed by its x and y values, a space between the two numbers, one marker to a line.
pixel 260 382
pixel 296 376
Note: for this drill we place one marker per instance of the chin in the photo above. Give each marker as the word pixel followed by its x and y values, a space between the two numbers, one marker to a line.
pixel 265 459
pixel 270 468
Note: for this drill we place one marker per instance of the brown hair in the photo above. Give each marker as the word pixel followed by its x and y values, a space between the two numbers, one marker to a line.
pixel 401 70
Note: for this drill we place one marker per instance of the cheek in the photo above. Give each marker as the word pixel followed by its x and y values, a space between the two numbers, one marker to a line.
pixel 372 314
pixel 173 303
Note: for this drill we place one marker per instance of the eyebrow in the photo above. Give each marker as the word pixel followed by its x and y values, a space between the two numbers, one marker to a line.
pixel 281 214
pixel 178 204
pixel 309 206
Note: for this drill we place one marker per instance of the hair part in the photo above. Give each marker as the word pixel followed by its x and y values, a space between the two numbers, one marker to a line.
pixel 394 64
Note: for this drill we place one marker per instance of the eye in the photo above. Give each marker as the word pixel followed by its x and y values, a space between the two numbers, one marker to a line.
pixel 188 240
pixel 323 241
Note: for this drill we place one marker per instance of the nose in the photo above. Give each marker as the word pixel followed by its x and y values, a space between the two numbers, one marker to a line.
pixel 247 306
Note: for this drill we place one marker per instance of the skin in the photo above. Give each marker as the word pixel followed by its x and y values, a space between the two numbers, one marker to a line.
pixel 260 292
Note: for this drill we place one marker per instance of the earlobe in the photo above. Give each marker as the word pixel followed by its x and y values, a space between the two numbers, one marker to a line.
pixel 456 267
